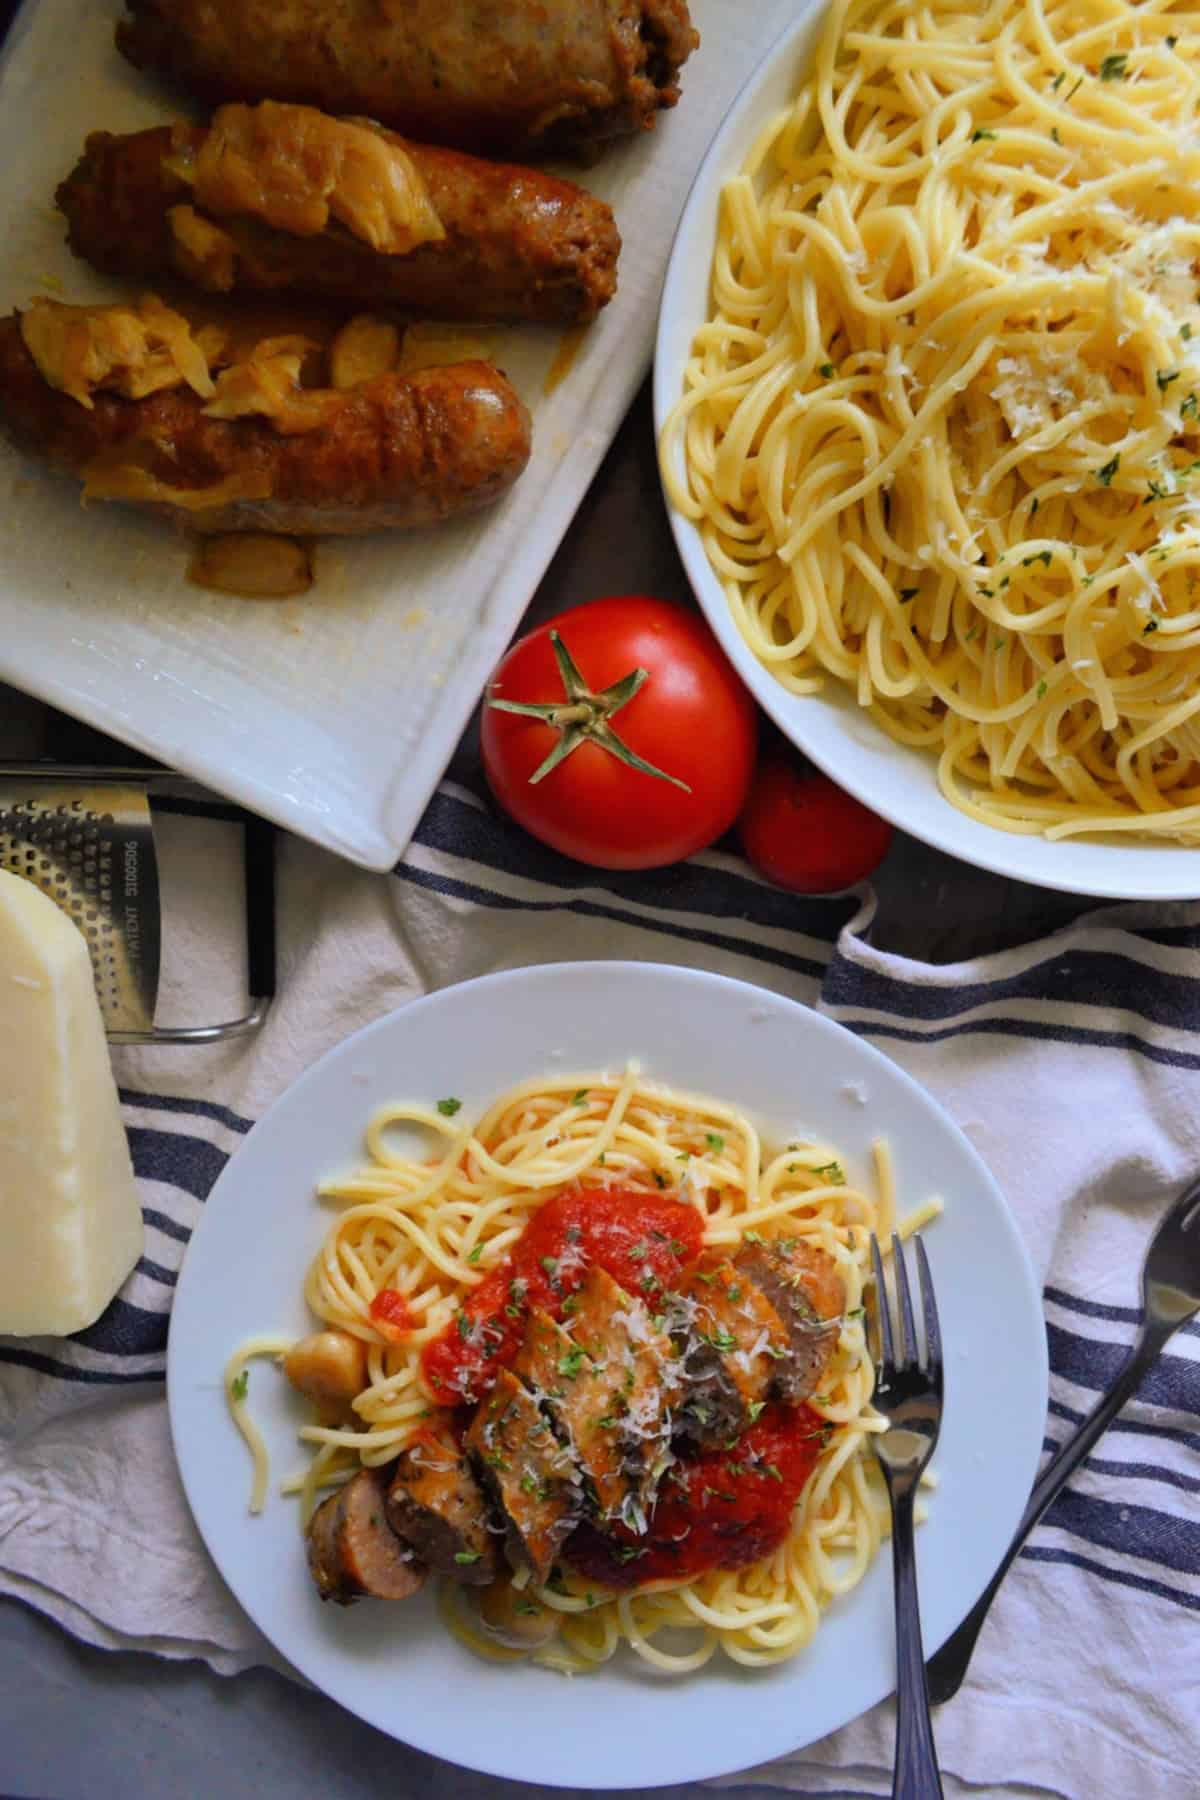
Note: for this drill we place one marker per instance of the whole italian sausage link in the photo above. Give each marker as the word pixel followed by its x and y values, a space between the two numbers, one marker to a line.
pixel 518 245
pixel 398 452
pixel 506 77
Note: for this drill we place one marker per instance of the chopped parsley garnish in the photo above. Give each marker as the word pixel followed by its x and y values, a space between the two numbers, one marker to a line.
pixel 907 594
pixel 639 1252
pixel 1185 332
pixel 1039 556
pixel 856 1312
pixel 1171 42
pixel 1105 474
pixel 733 1292
pixel 772 1471
pixel 1058 80
pixel 714 1140
pixel 981 133
pixel 579 1098
pixel 606 1423
pixel 464 1326
pixel 1041 690
pixel 627 1552
pixel 723 1341
pixel 571 1363
pixel 1034 507
pixel 834 1171
pixel 1054 134
pixel 467 1556
pixel 550 1264
pixel 1188 408
pixel 1149 626
pixel 527 1483
pixel 753 1237
pixel 449 1106
pixel 1115 67
pixel 676 1248
pixel 526 1609
pixel 660 1180
pixel 1155 491
pixel 755 1408
pixel 1076 88
pixel 827 370
pixel 475 1255
pixel 240 1384
pixel 1164 378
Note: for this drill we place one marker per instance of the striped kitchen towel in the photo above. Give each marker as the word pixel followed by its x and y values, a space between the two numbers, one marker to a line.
pixel 1072 1063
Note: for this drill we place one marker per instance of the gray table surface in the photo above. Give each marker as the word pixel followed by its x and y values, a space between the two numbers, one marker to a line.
pixel 80 1724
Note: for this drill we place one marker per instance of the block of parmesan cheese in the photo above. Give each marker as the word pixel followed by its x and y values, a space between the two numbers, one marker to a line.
pixel 70 1223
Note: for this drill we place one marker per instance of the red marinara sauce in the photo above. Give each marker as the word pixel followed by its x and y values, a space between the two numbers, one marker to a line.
pixel 719 1510
pixel 644 1240
pixel 390 1314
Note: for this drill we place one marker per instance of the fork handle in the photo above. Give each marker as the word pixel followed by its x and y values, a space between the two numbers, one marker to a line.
pixel 948 1666
pixel 916 1776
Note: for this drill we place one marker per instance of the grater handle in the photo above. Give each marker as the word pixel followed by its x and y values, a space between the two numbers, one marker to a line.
pixel 259 859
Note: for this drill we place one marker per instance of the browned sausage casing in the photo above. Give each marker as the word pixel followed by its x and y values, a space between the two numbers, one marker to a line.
pixel 399 451
pixel 506 77
pixel 353 1552
pixel 519 245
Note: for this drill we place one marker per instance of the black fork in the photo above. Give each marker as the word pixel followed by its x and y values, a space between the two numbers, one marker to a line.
pixel 908 1394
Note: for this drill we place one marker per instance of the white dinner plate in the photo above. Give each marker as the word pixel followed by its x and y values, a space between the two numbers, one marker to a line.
pixel 796 1073
pixel 831 728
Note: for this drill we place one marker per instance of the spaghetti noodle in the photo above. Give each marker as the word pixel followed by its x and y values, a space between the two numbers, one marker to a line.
pixel 941 435
pixel 431 1230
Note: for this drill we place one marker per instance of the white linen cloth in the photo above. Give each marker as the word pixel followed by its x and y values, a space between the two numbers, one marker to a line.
pixel 1073 1064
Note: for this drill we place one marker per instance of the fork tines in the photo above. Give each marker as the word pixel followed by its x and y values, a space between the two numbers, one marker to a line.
pixel 910 1355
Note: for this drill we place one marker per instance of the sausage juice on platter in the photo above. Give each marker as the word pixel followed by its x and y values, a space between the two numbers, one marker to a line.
pixel 598 1364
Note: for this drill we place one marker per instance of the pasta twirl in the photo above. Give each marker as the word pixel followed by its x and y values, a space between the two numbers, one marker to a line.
pixel 941 435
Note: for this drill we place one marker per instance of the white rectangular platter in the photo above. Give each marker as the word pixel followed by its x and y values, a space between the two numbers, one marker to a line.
pixel 333 714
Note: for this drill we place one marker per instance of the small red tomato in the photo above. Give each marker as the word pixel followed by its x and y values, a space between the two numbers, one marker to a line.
pixel 619 734
pixel 390 1315
pixel 802 831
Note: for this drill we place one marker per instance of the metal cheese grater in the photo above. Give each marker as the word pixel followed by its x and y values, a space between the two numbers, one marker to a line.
pixel 85 836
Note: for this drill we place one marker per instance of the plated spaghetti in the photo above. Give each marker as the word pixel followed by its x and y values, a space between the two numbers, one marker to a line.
pixel 599 1363
pixel 941 435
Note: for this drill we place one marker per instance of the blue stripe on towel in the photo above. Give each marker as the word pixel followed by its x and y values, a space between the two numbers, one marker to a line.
pixel 178 1103
pixel 175 1158
pixel 1046 1553
pixel 1026 1028
pixel 1172 1382
pixel 465 834
pixel 591 909
pixel 48 1365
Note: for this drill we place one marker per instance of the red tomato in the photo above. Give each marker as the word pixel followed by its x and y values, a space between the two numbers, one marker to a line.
pixel 801 830
pixel 390 1314
pixel 689 717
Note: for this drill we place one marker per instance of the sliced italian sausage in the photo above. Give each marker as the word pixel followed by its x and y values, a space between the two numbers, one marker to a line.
pixel 803 1285
pixel 436 1505
pixel 352 1550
